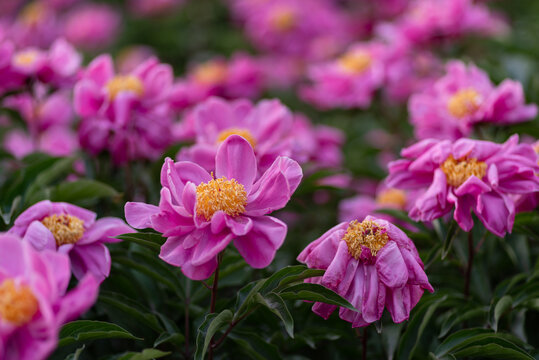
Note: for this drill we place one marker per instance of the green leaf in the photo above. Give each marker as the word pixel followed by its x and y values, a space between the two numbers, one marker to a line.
pixel 449 237
pixel 176 339
pixel 83 330
pixel 256 347
pixel 315 292
pixel 498 309
pixel 133 309
pixel 245 296
pixel 459 316
pixel 152 241
pixel 82 190
pixel 492 351
pixel 288 275
pixel 276 305
pixel 76 354
pixel 60 168
pixel 211 325
pixel 146 354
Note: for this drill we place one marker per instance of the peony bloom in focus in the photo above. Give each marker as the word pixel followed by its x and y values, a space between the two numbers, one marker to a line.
pixel 201 213
pixel 467 175
pixel 34 301
pixel 129 114
pixel 465 96
pixel 71 230
pixel 350 81
pixel 372 264
pixel 266 126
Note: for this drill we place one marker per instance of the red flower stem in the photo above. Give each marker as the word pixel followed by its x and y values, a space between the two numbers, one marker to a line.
pixel 214 299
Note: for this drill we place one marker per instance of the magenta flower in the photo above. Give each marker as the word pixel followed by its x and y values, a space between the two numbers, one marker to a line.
pixel 349 81
pixel 266 126
pixel 372 264
pixel 71 230
pixel 92 26
pixel 467 175
pixel 55 141
pixel 465 96
pixel 34 302
pixel 128 115
pixel 201 213
pixel 37 24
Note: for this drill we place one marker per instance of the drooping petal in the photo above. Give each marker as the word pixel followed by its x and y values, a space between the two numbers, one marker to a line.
pixel 391 267
pixel 139 215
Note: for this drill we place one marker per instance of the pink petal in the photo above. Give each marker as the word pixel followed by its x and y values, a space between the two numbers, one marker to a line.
pixel 235 159
pixel 93 259
pixel 138 214
pixel 391 267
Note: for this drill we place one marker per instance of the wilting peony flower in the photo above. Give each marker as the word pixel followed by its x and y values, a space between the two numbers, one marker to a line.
pixel 71 230
pixel 349 81
pixel 372 264
pixel 92 26
pixel 201 213
pixel 128 115
pixel 34 301
pixel 465 96
pixel 266 126
pixel 467 175
pixel 240 77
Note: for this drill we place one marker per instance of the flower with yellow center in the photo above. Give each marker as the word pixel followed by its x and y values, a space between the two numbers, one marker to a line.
pixel 283 19
pixel 66 229
pixel 458 171
pixel 220 194
pixel 211 73
pixel 25 58
pixel 355 62
pixel 244 133
pixel 32 13
pixel 464 103
pixel 367 233
pixel 18 304
pixel 121 83
pixel 392 197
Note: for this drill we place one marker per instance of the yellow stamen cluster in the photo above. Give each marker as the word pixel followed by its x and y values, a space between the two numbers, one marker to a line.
pixel 244 133
pixel 458 171
pixel 366 233
pixel 25 58
pixel 464 102
pixel 283 19
pixel 124 83
pixel 355 62
pixel 66 229
pixel 392 197
pixel 220 194
pixel 211 73
pixel 17 303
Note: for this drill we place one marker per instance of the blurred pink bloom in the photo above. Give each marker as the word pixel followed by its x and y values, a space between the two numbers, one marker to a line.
pixel 129 114
pixel 467 175
pixel 372 264
pixel 201 213
pixel 71 230
pixel 281 71
pixel 265 125
pixel 131 57
pixel 240 77
pixel 154 7
pixel 37 25
pixel 464 97
pixel 34 301
pixel 92 26
pixel 55 141
pixel 434 20
pixel 360 206
pixel 349 81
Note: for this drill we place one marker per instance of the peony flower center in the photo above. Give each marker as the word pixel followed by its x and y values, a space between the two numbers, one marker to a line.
pixel 355 62
pixel 464 102
pixel 366 233
pixel 458 171
pixel 18 303
pixel 392 197
pixel 283 19
pixel 25 58
pixel 244 133
pixel 32 13
pixel 211 72
pixel 220 194
pixel 66 229
pixel 124 83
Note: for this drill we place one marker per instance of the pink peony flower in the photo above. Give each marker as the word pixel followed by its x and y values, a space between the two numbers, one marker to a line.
pixel 372 264
pixel 55 141
pixel 201 213
pixel 34 301
pixel 92 26
pixel 266 126
pixel 464 97
pixel 349 81
pixel 69 229
pixel 128 115
pixel 37 25
pixel 467 175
